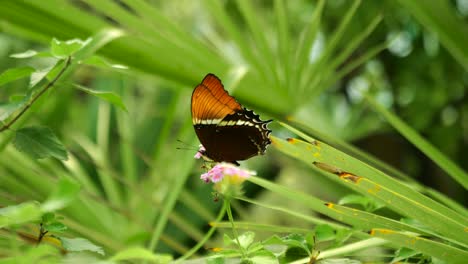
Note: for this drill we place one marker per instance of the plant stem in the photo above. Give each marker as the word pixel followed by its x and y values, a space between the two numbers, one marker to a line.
pixel 205 238
pixel 227 204
pixel 39 94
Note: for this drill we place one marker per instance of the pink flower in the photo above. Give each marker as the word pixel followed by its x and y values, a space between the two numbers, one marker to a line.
pixel 200 152
pixel 222 170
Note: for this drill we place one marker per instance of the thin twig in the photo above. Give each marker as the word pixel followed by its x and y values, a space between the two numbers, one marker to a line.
pixel 42 233
pixel 47 87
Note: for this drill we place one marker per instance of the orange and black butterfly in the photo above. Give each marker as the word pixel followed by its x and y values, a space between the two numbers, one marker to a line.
pixel 227 131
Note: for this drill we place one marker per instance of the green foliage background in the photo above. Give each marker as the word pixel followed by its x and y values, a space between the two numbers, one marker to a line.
pixel 382 77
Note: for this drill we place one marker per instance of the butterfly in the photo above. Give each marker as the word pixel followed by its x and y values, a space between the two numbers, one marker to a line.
pixel 228 131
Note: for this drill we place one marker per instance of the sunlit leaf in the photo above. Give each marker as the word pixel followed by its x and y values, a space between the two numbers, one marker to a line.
pixel 39 142
pixel 6 110
pixel 105 95
pixel 324 232
pixel 246 239
pixel 265 257
pixel 367 203
pixel 23 55
pixel 55 227
pixel 138 253
pixel 97 41
pixel 19 214
pixel 65 192
pixel 404 253
pixel 101 62
pixel 80 244
pixel 15 74
pixel 39 75
pixel 63 49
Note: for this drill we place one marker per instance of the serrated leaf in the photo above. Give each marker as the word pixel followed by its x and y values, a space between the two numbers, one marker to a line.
pixel 227 240
pixel 63 49
pixel 19 214
pixel 367 203
pixel 105 95
pixel 265 257
pixel 273 240
pixel 404 253
pixel 23 55
pixel 138 253
pixel 215 260
pixel 93 44
pixel 80 244
pixel 101 62
pixel 39 75
pixel 39 142
pixel 246 239
pixel 48 218
pixel 14 74
pixel 55 227
pixel 324 232
pixel 340 261
pixel 297 241
pixel 65 192
pixel 6 110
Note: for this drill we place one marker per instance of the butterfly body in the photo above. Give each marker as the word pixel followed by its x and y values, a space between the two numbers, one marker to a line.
pixel 228 131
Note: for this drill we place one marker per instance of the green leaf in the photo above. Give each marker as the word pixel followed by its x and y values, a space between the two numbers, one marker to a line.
pixel 19 214
pixel 63 49
pixel 429 247
pixel 48 218
pixel 324 232
pixel 215 260
pixel 23 55
pixel 15 74
pixel 105 95
pixel 101 62
pixel 6 110
pixel 55 227
pixel 297 240
pixel 39 75
pixel 138 253
pixel 80 244
pixel 246 239
pixel 65 192
pixel 39 142
pixel 367 203
pixel 404 253
pixel 451 168
pixel 264 257
pixel 98 41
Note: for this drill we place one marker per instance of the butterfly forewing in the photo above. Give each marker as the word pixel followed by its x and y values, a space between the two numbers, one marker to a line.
pixel 211 103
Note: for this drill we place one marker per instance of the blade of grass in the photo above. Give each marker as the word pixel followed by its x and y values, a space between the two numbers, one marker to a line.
pixel 283 67
pixel 418 141
pixel 346 250
pixel 309 74
pixel 264 50
pixel 356 218
pixel 218 12
pixel 308 36
pixel 444 226
pixel 432 248
pixel 182 170
pixel 320 152
pixel 311 219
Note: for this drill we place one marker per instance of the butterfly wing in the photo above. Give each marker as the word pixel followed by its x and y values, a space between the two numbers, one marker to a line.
pixel 228 131
pixel 211 103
